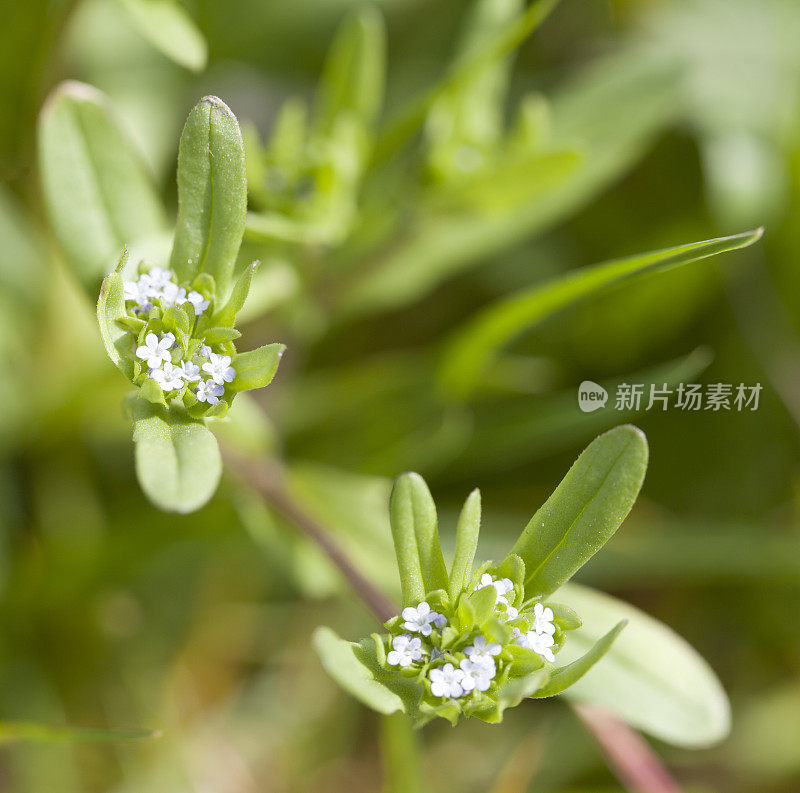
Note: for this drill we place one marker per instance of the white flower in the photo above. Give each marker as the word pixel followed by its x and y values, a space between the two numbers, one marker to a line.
pixel 190 371
pixel 169 378
pixel 204 351
pixel 154 351
pixel 446 681
pixel 208 391
pixel 507 611
pixel 481 651
pixel 406 650
pixel 138 291
pixel 156 280
pixel 502 585
pixel 220 369
pixel 543 620
pixel 540 643
pixel 173 295
pixel 198 301
pixel 421 619
pixel 477 675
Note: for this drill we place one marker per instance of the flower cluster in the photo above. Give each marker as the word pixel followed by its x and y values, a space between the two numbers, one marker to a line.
pixel 463 653
pixel 176 347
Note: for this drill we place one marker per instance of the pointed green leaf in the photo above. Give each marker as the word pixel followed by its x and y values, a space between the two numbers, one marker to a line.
pixel 167 26
pixel 651 677
pixel 416 532
pixel 177 459
pixel 98 193
pixel 226 316
pixel 474 346
pixel 565 676
pixel 483 601
pixel 353 79
pixel 513 692
pixel 256 368
pixel 111 309
pixel 341 662
pixel 584 511
pixel 212 194
pixel 467 531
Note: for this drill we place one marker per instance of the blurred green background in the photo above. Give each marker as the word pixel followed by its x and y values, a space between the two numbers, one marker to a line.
pixel 684 116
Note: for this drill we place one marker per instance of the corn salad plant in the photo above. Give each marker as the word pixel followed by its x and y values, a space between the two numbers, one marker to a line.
pixel 348 231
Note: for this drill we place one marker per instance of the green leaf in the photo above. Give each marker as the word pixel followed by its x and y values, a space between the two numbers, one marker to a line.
pixel 226 316
pixel 416 537
pixel 341 662
pixel 220 335
pixel 353 78
pixel 167 26
pixel 98 193
pixel 212 194
pixel 651 677
pixel 513 692
pixel 476 344
pixel 468 119
pixel 110 309
pixel 177 459
pixel 30 732
pixel 256 368
pixel 467 532
pixel 565 676
pixel 500 46
pixel 584 511
pixel 483 601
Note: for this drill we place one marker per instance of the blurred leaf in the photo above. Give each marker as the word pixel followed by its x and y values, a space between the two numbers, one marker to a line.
pixel 98 193
pixel 479 341
pixel 170 29
pixel 256 368
pixel 651 677
pixel 467 532
pixel 416 538
pixel 177 459
pixel 352 674
pixel 465 123
pixel 500 46
pixel 212 194
pixel 353 79
pixel 110 308
pixel 633 84
pixel 565 676
pixel 22 258
pixel 585 510
pixel 29 732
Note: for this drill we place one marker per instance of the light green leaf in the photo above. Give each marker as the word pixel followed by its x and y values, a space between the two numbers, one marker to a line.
pixel 651 677
pixel 565 676
pixel 256 368
pixel 584 511
pixel 353 79
pixel 416 537
pixel 212 194
pixel 110 309
pixel 226 316
pixel 352 674
pixel 474 345
pixel 467 532
pixel 167 26
pixel 98 193
pixel 30 732
pixel 220 335
pixel 177 459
